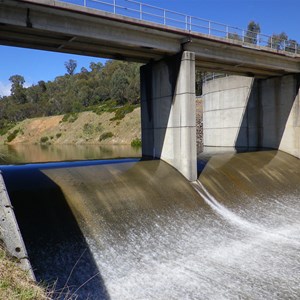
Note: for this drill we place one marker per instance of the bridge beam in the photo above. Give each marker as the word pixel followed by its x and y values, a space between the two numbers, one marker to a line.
pixel 168 112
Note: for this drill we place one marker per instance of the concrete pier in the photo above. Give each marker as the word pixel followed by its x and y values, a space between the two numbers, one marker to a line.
pixel 168 112
pixel 244 112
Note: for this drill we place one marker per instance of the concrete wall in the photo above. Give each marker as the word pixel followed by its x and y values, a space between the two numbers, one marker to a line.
pixel 168 112
pixel 224 105
pixel 279 112
pixel 242 112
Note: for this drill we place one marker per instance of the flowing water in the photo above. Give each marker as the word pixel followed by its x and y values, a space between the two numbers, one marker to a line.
pixel 135 229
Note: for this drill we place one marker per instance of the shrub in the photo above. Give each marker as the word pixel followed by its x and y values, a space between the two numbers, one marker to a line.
pixel 70 117
pixel 108 106
pixel 136 143
pixel 12 135
pixel 106 135
pixel 121 112
pixel 88 128
pixel 44 139
pixel 58 135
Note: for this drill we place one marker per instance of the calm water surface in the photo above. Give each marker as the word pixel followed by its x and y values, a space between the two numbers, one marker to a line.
pixel 23 153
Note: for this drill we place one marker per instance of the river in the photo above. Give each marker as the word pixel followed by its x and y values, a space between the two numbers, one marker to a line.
pixel 136 229
pixel 31 153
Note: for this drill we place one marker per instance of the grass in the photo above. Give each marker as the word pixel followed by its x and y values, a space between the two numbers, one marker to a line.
pixel 70 117
pixel 15 284
pixel 107 106
pixel 121 112
pixel 111 106
pixel 89 129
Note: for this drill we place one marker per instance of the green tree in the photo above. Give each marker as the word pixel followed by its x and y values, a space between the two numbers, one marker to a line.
pixel 96 67
pixel 115 80
pixel 252 32
pixel 71 65
pixel 291 46
pixel 234 36
pixel 119 84
pixel 278 41
pixel 17 89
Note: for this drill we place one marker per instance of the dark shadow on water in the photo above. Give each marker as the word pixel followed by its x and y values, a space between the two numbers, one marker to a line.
pixel 56 246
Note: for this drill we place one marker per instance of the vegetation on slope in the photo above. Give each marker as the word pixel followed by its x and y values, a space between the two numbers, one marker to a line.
pixel 115 82
pixel 80 128
pixel 15 283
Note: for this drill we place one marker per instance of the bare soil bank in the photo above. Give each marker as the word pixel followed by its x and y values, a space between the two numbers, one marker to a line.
pixel 85 128
pixel 81 128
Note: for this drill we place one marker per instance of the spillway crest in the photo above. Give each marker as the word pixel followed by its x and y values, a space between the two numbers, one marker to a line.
pixel 138 230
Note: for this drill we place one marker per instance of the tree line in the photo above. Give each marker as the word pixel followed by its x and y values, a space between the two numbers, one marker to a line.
pixel 278 41
pixel 117 81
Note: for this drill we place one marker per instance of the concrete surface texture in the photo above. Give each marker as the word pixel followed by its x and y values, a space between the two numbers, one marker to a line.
pixel 224 104
pixel 243 112
pixel 10 233
pixel 168 112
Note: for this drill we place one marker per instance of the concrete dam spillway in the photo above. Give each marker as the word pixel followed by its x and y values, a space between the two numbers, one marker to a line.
pixel 134 229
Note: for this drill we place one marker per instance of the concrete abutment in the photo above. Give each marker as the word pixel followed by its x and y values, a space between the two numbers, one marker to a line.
pixel 168 112
pixel 243 112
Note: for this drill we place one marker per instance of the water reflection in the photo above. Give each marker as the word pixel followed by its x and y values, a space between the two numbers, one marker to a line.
pixel 26 153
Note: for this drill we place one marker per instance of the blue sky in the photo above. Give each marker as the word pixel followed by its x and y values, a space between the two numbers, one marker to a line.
pixel 274 16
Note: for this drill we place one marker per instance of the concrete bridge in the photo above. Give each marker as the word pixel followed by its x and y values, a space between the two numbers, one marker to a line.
pixel 170 56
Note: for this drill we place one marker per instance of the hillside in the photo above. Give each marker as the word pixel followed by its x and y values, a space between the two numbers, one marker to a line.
pixel 80 128
pixel 85 128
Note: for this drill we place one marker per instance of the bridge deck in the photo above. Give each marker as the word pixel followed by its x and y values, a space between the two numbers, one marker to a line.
pixel 63 27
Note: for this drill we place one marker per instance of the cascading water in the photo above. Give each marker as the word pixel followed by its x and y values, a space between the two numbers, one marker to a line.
pixel 138 230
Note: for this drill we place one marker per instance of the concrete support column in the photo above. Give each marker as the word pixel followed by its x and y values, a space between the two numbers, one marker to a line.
pixel 243 112
pixel 168 112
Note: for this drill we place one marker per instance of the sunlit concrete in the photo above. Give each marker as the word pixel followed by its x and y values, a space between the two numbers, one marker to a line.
pixel 168 112
pixel 242 112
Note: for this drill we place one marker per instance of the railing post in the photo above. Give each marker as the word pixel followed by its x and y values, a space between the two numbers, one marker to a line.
pixel 247 35
pixel 141 11
pixel 271 41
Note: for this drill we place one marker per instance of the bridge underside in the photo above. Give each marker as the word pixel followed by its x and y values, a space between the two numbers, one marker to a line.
pixel 167 79
pixel 63 27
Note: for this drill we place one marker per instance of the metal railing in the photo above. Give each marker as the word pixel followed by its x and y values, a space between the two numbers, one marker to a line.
pixel 146 12
pixel 212 76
